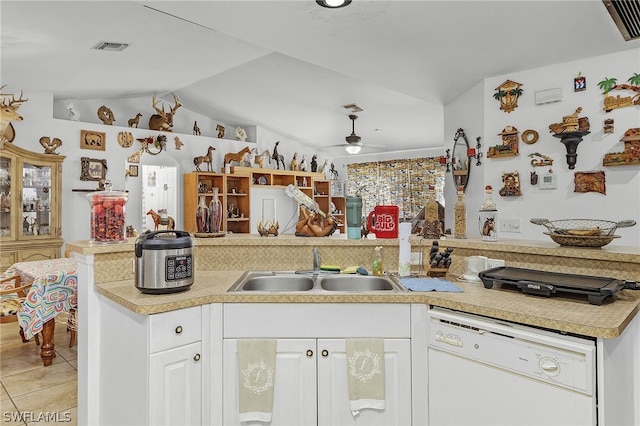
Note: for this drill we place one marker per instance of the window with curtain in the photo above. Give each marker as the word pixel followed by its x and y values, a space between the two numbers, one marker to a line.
pixel 403 183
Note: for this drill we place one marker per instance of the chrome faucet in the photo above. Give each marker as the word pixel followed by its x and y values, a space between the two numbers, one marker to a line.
pixel 316 260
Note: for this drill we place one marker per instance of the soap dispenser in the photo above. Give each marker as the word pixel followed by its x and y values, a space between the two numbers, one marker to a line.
pixel 377 261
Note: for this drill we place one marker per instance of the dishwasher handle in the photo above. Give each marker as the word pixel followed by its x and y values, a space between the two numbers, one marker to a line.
pixel 537 288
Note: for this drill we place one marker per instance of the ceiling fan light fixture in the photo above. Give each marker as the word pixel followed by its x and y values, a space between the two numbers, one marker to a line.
pixel 333 4
pixel 353 149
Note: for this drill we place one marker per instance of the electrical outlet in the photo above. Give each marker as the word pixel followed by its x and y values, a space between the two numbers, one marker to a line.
pixel 415 258
pixel 495 263
pixel 510 225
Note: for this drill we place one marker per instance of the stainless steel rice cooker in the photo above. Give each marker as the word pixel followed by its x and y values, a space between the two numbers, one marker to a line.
pixel 164 262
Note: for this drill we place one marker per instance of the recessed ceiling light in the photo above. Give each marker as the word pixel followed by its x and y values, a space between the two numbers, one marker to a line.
pixel 333 4
pixel 110 46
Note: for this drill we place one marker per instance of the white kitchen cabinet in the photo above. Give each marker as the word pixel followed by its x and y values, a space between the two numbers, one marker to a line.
pixel 294 400
pixel 333 390
pixel 151 367
pixel 175 383
pixel 311 384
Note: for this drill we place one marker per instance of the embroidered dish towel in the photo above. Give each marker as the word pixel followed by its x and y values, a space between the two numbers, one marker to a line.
pixel 256 376
pixel 365 371
pixel 429 284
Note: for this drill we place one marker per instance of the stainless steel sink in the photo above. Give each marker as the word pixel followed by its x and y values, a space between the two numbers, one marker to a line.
pixel 273 282
pixel 358 283
pixel 289 281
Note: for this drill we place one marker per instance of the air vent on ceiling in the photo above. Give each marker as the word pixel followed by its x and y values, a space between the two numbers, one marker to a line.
pixel 353 108
pixel 626 15
pixel 110 46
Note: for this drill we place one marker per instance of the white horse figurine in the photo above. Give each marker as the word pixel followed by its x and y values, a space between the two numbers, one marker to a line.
pixel 249 159
pixel 323 168
pixel 303 164
pixel 260 158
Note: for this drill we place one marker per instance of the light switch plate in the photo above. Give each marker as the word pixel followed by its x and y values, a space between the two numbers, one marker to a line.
pixel 510 225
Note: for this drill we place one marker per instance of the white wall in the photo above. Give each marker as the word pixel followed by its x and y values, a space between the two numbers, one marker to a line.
pixel 39 121
pixel 622 199
pixel 477 112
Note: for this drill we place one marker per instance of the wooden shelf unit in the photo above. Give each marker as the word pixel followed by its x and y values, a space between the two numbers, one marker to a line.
pixel 237 204
pixel 233 193
pixel 279 178
pixel 326 194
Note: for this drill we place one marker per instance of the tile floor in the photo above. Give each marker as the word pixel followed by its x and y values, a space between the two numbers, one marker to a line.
pixel 31 394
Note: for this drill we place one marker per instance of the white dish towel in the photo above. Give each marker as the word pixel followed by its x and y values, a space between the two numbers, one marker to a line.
pixel 365 371
pixel 256 377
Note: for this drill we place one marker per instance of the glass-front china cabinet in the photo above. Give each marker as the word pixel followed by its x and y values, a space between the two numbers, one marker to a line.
pixel 30 205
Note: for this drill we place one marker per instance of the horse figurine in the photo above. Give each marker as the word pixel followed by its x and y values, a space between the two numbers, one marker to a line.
pixel 303 164
pixel 323 167
pixel 238 157
pixel 157 220
pixel 294 162
pixel 205 159
pixel 260 158
pixel 133 122
pixel 278 157
pixel 314 163
pixel 249 159
pixel 333 171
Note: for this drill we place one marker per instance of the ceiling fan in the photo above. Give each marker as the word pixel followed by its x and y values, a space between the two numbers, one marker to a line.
pixel 354 142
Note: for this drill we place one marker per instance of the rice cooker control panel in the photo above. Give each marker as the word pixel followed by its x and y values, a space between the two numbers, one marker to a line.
pixel 178 267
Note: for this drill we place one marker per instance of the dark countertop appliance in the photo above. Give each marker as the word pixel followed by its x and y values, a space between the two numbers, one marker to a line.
pixel 544 283
pixel 164 262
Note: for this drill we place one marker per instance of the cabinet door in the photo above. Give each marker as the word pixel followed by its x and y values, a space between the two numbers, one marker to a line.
pixel 294 400
pixel 175 386
pixel 37 192
pixel 333 387
pixel 8 197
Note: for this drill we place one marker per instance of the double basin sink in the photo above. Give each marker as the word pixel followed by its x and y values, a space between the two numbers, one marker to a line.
pixel 311 281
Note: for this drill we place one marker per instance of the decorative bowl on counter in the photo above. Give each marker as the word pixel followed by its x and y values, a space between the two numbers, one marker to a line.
pixel 582 232
pixel 583 227
pixel 581 241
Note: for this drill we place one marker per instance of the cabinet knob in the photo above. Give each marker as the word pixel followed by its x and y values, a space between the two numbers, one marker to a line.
pixel 309 353
pixel 179 329
pixel 325 353
pixel 197 357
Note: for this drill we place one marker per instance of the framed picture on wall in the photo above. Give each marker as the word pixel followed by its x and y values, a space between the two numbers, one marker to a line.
pixel 90 139
pixel 133 171
pixel 93 169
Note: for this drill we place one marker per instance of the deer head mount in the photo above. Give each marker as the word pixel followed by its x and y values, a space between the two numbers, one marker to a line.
pixel 9 113
pixel 163 120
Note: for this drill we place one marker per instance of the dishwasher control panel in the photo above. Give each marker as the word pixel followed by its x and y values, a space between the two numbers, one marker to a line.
pixel 551 357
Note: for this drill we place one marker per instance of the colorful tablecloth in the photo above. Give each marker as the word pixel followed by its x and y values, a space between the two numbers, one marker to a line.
pixel 55 282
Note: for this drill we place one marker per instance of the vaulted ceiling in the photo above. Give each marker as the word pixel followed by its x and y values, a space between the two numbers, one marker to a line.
pixel 290 66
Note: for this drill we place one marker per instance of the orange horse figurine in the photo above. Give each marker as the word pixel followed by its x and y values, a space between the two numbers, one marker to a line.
pixel 157 219
pixel 238 157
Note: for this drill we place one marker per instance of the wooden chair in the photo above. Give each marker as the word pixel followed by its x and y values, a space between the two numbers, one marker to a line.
pixel 12 295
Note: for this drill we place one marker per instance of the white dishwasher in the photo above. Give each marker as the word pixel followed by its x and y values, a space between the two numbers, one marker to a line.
pixel 484 371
